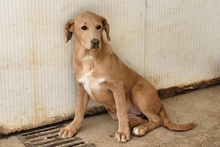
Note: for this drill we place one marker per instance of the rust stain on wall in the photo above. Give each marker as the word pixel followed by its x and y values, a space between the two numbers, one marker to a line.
pixel 172 91
pixel 94 110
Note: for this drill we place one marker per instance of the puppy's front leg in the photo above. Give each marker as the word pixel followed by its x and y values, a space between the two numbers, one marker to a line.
pixel 81 106
pixel 118 90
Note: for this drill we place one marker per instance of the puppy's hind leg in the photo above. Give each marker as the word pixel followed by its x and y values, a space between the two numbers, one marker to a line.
pixel 154 122
pixel 145 97
pixel 136 121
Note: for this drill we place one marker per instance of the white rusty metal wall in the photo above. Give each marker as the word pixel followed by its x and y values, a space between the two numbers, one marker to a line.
pixel 182 42
pixel 170 42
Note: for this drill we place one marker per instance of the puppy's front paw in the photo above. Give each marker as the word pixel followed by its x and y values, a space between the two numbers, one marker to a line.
pixel 122 136
pixel 67 132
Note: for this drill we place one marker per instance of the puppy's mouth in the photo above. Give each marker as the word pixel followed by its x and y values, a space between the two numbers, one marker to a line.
pixel 95 47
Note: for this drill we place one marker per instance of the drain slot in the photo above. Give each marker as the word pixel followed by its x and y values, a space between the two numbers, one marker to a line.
pixel 48 137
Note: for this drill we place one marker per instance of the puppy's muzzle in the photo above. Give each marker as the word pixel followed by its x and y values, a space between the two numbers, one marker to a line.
pixel 95 43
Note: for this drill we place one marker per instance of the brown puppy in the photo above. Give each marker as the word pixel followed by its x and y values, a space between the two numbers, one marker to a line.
pixel 102 76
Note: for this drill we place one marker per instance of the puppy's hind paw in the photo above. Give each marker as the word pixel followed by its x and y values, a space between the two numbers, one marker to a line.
pixel 137 131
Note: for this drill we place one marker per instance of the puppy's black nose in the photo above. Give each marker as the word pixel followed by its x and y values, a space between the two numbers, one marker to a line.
pixel 95 43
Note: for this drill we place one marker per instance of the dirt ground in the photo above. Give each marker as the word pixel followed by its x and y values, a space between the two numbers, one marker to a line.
pixel 200 106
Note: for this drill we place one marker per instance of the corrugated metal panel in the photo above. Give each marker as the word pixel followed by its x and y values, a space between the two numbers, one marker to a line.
pixel 170 42
pixel 35 65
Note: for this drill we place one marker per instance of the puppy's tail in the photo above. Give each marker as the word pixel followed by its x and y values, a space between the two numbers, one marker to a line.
pixel 175 127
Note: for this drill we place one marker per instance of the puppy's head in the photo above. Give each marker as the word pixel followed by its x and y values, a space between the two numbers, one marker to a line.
pixel 87 28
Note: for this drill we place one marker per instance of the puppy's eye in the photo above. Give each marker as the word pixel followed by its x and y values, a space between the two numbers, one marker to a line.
pixel 98 27
pixel 84 28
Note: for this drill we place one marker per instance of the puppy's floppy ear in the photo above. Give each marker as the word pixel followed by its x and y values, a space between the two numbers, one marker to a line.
pixel 69 29
pixel 106 27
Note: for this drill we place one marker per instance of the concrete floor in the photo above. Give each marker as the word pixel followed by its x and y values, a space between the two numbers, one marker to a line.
pixel 201 107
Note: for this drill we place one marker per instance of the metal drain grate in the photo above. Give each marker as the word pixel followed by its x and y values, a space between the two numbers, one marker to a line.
pixel 48 137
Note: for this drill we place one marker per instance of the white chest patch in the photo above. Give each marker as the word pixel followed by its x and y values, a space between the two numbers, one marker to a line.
pixel 87 58
pixel 90 83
